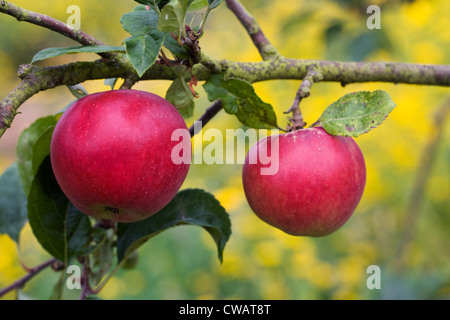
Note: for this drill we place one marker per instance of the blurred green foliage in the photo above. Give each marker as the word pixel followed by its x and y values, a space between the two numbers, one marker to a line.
pixel 261 262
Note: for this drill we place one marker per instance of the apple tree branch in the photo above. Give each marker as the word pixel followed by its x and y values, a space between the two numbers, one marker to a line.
pixel 273 67
pixel 265 48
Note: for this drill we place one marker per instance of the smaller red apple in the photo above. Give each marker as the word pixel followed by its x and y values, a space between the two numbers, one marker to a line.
pixel 318 185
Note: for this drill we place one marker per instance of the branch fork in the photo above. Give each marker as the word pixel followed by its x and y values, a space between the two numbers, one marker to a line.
pixel 296 121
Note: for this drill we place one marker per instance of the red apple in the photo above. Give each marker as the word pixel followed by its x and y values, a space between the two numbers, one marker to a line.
pixel 318 185
pixel 111 154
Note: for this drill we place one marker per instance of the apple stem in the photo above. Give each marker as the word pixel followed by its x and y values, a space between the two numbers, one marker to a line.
pixel 105 223
pixel 296 121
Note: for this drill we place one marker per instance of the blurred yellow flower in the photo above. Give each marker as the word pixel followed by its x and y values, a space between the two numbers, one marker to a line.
pixel 268 253
pixel 351 270
pixel 135 282
pixel 271 288
pixel 428 52
pixel 10 268
pixel 113 289
pixel 419 12
pixel 321 275
pixel 236 266
pixel 438 187
pixel 230 197
pixel 203 283
pixel 345 294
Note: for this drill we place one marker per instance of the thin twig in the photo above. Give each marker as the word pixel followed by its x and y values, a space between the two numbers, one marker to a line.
pixel 296 121
pixel 206 117
pixel 31 273
pixel 265 48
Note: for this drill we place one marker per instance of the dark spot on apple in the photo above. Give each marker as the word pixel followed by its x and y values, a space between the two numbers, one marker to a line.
pixel 113 210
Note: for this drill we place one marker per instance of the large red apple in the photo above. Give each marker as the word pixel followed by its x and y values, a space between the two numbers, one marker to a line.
pixel 318 185
pixel 111 154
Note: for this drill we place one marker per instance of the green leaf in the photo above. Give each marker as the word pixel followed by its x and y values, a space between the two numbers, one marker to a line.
pixel 147 2
pixel 356 113
pixel 190 206
pixel 110 82
pixel 181 97
pixel 140 21
pixel 239 98
pixel 143 46
pixel 214 3
pixel 197 5
pixel 59 227
pixel 162 3
pixel 78 91
pixel 13 203
pixel 55 52
pixel 33 146
pixel 172 16
pixel 175 48
pixel 211 4
pixel 143 50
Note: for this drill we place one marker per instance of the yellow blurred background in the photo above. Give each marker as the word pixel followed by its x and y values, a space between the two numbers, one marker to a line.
pixel 261 262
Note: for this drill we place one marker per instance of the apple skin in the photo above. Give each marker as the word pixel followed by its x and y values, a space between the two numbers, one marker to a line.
pixel 111 154
pixel 319 183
